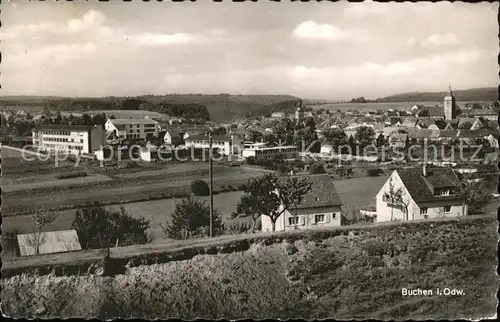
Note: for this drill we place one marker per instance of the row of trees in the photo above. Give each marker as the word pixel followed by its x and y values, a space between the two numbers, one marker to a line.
pixel 23 127
pixel 337 138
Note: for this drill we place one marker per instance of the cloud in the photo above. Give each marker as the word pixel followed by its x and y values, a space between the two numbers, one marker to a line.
pixel 364 9
pixel 441 40
pixel 155 39
pixel 435 40
pixel 313 30
pixel 90 19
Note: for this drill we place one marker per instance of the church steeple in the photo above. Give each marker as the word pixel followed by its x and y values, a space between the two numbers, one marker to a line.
pixel 450 111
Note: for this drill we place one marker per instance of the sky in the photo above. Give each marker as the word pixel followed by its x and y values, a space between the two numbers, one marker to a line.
pixel 311 50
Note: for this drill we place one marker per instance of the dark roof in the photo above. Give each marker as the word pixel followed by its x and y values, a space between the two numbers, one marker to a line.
pixel 431 111
pixel 421 188
pixel 323 192
pixel 394 119
pixel 448 133
pixel 214 137
pixel 481 111
pixel 441 124
pixel 473 134
pixel 423 133
pixel 65 127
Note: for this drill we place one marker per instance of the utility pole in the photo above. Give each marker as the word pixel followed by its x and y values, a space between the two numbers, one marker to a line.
pixel 210 173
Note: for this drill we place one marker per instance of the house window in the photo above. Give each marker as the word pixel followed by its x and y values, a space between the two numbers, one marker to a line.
pixel 423 210
pixel 447 209
pixel 319 218
pixel 293 221
pixel 444 192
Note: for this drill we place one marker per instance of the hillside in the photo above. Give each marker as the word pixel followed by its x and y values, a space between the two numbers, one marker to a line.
pixel 221 107
pixel 474 94
pixel 344 273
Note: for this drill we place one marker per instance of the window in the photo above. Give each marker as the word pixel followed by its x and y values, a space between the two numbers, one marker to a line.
pixel 81 140
pixel 447 209
pixel 444 192
pixel 319 218
pixel 423 210
pixel 293 221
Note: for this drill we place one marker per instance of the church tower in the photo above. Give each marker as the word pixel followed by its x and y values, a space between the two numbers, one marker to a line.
pixel 299 113
pixel 449 106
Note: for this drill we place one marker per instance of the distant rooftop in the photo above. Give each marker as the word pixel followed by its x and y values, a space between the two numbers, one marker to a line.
pixel 133 121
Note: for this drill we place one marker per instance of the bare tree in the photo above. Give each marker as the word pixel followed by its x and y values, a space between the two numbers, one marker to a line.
pixel 40 219
pixel 396 197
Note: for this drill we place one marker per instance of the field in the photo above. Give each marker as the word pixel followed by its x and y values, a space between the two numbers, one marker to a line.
pixel 347 273
pixel 356 192
pixel 132 114
pixel 373 106
pixel 158 212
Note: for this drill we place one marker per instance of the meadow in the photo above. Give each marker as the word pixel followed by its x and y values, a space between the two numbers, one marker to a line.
pixel 356 192
pixel 346 273
pixel 373 106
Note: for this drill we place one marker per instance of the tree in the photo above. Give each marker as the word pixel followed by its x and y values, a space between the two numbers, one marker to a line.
pixel 40 219
pixel 98 227
pixel 283 169
pixel 219 131
pixel 335 137
pixel 200 188
pixel 317 168
pixel 395 196
pixel 271 196
pixel 191 218
pixel 365 136
pixel 475 193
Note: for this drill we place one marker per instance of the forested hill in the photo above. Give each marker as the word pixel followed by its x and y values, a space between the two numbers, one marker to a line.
pixel 474 94
pixel 221 107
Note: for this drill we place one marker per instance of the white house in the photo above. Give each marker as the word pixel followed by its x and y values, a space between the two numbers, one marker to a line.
pixel 133 128
pixel 227 145
pixel 413 194
pixel 319 209
pixel 74 139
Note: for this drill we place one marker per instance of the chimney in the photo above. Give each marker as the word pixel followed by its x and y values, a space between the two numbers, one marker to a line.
pixel 424 169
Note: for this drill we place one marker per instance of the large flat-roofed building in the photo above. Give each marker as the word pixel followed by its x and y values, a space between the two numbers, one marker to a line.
pixel 289 152
pixel 132 128
pixel 74 139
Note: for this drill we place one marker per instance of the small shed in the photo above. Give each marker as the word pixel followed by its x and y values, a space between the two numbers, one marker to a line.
pixel 50 242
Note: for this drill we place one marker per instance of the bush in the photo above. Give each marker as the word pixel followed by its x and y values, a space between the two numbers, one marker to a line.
pixel 317 168
pixel 200 188
pixel 250 160
pixel 374 172
pixel 72 175
pixel 242 187
pixel 191 219
pixel 9 241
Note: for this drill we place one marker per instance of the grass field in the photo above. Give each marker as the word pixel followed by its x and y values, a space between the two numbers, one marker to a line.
pixel 373 106
pixel 132 114
pixel 316 276
pixel 158 212
pixel 356 192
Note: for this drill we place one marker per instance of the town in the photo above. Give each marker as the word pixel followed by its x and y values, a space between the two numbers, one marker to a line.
pixel 157 164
